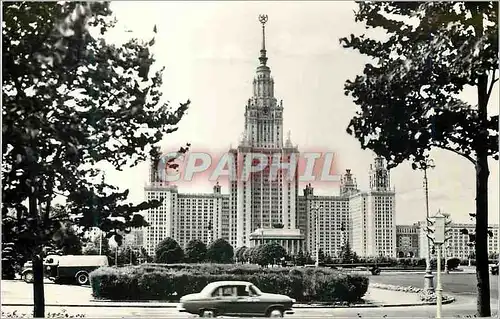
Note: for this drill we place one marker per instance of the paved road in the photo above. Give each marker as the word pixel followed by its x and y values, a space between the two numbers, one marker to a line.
pixel 464 308
pixel 461 284
pixel 455 283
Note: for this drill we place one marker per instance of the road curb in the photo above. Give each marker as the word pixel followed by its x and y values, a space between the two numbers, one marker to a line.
pixel 103 304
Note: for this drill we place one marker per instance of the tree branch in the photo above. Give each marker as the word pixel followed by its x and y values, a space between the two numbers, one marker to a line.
pixel 470 158
pixel 490 89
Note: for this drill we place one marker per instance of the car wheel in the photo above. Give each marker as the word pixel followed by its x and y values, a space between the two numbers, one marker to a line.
pixel 276 313
pixel 28 277
pixel 208 314
pixel 82 278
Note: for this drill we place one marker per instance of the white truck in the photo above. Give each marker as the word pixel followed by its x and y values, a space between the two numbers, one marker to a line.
pixel 67 268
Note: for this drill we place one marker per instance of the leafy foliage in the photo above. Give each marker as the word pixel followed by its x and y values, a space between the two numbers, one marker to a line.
pixel 220 251
pixel 268 254
pixel 70 101
pixel 169 282
pixel 196 251
pixel 169 251
pixel 321 256
pixel 241 255
pixel 408 95
pixel 347 255
pixel 127 256
pixel 300 258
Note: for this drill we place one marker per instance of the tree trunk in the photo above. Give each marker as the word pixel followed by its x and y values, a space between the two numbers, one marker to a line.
pixel 38 291
pixel 482 269
pixel 482 175
pixel 37 260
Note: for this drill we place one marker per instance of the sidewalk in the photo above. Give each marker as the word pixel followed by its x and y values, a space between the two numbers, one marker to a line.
pixel 463 270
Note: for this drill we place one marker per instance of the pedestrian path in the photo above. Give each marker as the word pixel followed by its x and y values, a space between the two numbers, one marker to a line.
pixel 384 297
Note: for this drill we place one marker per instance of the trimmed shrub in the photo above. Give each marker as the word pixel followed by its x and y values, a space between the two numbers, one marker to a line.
pixel 160 282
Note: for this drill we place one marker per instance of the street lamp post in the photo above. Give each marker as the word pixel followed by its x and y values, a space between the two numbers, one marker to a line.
pixel 429 277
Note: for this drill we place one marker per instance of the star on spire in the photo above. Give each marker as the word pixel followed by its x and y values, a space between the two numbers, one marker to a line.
pixel 263 58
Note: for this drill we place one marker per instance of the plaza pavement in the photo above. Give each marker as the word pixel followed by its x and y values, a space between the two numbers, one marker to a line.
pixel 73 300
pixel 19 293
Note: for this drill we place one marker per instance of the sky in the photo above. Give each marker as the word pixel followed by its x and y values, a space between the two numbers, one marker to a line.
pixel 210 54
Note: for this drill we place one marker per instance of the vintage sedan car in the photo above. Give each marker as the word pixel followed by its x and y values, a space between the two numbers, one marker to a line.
pixel 235 298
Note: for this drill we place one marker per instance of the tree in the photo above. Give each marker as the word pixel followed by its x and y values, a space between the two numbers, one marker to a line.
pixel 241 254
pixel 145 256
pixel 308 258
pixel 90 249
pixel 169 252
pixel 347 256
pixel 68 239
pixel 321 256
pixel 268 254
pixel 71 100
pixel 275 252
pixel 300 259
pixel 408 93
pixel 196 251
pixel 248 254
pixel 220 251
pixel 127 256
pixel 329 260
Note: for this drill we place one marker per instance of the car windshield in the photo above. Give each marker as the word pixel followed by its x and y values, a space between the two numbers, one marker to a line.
pixel 255 291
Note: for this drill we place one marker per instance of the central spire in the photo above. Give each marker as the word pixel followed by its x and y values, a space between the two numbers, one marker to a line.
pixel 263 58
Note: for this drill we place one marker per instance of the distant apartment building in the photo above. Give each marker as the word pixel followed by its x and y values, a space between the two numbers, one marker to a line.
pixel 134 239
pixel 407 241
pixel 183 217
pixel 457 246
pixel 364 219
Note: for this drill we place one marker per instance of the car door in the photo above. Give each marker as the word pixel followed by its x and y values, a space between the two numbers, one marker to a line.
pixel 216 301
pixel 235 300
pixel 247 302
pixel 224 300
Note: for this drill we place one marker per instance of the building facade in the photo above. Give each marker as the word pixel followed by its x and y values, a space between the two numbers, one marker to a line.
pixel 365 220
pixel 457 246
pixel 407 241
pixel 290 239
pixel 184 217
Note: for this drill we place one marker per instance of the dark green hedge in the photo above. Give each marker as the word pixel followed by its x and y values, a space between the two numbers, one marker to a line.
pixel 159 282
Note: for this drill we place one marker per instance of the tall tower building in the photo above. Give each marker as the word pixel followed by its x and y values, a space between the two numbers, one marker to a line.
pixel 381 217
pixel 262 200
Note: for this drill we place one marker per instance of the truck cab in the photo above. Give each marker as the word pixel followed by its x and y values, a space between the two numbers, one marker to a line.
pixel 67 268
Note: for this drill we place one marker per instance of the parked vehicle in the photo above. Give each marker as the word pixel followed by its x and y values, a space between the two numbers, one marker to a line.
pixel 235 298
pixel 374 268
pixel 494 269
pixel 67 268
